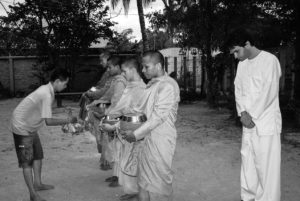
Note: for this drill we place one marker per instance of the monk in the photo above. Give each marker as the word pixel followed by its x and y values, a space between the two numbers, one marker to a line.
pixel 101 87
pixel 130 99
pixel 112 97
pixel 155 175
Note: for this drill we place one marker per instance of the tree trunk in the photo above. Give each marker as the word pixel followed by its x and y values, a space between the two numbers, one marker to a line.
pixel 212 88
pixel 203 77
pixel 297 63
pixel 142 25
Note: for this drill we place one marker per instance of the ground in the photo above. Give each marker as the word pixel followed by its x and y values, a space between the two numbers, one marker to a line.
pixel 206 163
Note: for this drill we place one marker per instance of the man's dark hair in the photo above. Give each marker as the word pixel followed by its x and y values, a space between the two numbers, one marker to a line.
pixel 239 37
pixel 156 56
pixel 59 73
pixel 115 60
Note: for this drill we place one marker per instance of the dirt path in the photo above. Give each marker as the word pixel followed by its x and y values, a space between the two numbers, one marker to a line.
pixel 206 163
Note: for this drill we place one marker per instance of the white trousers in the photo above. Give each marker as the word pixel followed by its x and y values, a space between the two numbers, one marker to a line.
pixel 260 169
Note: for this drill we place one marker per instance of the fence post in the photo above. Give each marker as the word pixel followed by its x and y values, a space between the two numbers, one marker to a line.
pixel 194 73
pixel 11 75
pixel 184 73
pixel 166 64
pixel 175 67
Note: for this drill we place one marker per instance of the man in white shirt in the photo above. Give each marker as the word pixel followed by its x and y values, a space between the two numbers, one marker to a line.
pixel 27 119
pixel 257 103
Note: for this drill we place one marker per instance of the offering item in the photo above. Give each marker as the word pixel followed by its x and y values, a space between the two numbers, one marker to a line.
pixel 132 121
pixel 93 89
pixel 74 129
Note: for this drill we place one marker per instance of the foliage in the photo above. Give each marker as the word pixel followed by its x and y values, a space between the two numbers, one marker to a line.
pixel 206 24
pixel 56 27
pixel 121 42
pixel 159 40
pixel 140 7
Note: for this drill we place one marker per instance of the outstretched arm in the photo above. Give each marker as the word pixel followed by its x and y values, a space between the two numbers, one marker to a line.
pixel 58 122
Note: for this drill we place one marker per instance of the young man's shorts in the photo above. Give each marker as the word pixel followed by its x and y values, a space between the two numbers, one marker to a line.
pixel 28 149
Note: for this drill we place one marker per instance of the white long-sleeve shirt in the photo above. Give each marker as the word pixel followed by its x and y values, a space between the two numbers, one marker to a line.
pixel 257 92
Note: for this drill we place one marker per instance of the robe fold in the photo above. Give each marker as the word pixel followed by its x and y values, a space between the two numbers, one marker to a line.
pixel 125 154
pixel 155 159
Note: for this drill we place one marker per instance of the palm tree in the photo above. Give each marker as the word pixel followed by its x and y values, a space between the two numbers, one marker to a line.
pixel 140 5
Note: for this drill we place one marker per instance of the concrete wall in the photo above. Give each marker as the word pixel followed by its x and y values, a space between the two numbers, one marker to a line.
pixel 19 77
pixel 4 73
pixel 23 75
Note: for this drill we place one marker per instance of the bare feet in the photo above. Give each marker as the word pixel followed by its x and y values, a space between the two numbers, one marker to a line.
pixel 36 197
pixel 105 165
pixel 43 187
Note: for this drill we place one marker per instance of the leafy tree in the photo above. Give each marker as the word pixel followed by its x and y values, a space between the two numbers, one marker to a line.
pixel 59 27
pixel 159 40
pixel 140 5
pixel 121 42
pixel 207 23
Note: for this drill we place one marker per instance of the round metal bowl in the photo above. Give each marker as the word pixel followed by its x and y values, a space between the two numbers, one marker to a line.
pixel 109 120
pixel 132 121
pixel 134 118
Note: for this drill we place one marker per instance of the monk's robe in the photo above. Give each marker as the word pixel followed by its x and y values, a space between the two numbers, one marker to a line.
pixel 161 100
pixel 101 87
pixel 112 96
pixel 125 152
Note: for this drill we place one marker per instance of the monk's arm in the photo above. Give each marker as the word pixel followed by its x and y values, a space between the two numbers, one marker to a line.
pixel 165 104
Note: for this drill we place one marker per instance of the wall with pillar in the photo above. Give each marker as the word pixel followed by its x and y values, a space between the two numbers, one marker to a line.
pixel 17 73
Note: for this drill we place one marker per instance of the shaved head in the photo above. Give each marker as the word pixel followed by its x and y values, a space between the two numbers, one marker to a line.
pixel 103 58
pixel 155 57
pixel 153 64
pixel 131 62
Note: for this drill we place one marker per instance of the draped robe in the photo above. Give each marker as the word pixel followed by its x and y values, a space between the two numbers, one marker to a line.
pixel 160 102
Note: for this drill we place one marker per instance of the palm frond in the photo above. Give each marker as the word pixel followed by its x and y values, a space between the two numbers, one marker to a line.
pixel 114 3
pixel 146 2
pixel 126 6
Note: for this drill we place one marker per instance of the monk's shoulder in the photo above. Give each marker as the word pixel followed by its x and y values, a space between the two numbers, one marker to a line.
pixel 120 78
pixel 168 84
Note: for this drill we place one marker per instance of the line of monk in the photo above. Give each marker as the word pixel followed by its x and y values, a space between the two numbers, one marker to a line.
pixel 140 156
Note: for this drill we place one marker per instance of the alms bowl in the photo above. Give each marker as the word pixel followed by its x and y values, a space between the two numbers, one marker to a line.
pixel 132 121
pixel 109 120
